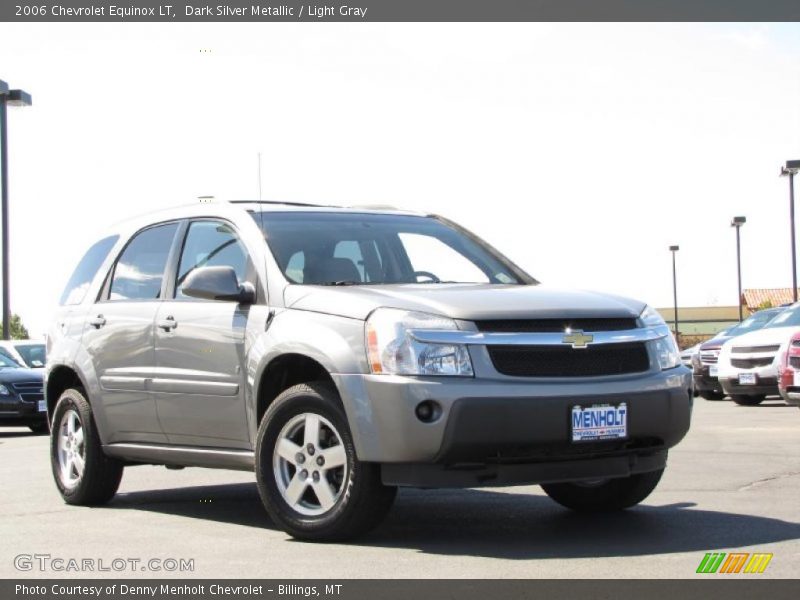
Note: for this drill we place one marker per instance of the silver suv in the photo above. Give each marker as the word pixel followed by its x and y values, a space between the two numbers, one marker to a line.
pixel 341 353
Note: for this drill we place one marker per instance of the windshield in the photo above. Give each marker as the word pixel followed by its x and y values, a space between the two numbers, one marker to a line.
pixel 358 249
pixel 32 354
pixel 788 318
pixel 7 361
pixel 754 322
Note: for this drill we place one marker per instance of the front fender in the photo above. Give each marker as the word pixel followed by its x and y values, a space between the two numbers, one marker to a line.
pixel 336 343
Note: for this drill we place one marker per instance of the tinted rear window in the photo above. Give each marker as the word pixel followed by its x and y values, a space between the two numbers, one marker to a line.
pixel 87 268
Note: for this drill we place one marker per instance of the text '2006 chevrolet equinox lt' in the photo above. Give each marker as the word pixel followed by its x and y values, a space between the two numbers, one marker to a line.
pixel 341 353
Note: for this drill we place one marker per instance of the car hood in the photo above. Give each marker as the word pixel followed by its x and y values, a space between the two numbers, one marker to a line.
pixel 770 336
pixel 466 301
pixel 716 343
pixel 19 375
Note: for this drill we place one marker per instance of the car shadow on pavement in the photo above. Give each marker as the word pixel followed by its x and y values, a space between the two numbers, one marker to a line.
pixel 20 433
pixel 495 524
pixel 236 503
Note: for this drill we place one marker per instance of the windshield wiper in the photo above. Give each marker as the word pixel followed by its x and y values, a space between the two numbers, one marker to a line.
pixel 345 282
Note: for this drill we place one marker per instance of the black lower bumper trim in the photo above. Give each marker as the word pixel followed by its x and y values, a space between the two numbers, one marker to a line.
pixel 439 475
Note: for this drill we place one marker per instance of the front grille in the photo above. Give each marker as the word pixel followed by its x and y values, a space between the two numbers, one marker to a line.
pixel 565 361
pixel 554 325
pixel 570 451
pixel 29 391
pixel 794 361
pixel 752 349
pixel 751 363
pixel 709 358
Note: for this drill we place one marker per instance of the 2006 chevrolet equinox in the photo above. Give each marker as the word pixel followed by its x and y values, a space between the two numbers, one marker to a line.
pixel 340 353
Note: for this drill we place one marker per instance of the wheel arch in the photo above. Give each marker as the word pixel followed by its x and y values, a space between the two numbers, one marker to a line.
pixel 59 379
pixel 284 371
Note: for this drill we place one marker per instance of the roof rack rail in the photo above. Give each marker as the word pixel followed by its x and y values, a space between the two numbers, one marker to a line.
pixel 285 203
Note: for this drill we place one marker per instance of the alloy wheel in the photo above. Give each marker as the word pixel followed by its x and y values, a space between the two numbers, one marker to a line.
pixel 310 464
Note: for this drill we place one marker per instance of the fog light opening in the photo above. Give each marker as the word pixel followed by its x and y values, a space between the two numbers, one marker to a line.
pixel 428 411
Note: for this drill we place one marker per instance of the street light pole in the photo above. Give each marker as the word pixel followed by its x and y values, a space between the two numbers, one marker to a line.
pixel 674 249
pixel 737 222
pixel 14 98
pixel 791 168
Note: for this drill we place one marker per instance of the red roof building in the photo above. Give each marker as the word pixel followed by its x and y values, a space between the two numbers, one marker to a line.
pixel 753 299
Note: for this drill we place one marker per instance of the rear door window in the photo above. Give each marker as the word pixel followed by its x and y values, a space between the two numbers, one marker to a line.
pixel 140 269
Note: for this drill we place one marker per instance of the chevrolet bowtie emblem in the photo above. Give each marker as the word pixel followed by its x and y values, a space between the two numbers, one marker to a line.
pixel 578 339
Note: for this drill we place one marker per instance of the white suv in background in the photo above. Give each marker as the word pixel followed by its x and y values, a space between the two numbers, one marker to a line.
pixel 748 364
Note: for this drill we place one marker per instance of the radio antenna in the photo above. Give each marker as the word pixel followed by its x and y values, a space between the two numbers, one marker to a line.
pixel 259 176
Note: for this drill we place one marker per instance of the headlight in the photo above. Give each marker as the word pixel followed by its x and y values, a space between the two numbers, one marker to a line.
pixel 4 390
pixel 667 352
pixel 666 349
pixel 392 350
pixel 651 318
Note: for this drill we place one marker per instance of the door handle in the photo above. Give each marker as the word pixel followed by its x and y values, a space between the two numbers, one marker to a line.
pixel 168 324
pixel 97 322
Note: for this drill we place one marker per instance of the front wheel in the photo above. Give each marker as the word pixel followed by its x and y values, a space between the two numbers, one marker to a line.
pixel 83 473
pixel 309 478
pixel 605 495
pixel 748 400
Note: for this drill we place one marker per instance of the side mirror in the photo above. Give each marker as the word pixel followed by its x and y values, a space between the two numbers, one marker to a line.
pixel 218 283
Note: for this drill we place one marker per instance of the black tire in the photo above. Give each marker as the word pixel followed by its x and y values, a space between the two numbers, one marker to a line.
pixel 712 395
pixel 607 496
pixel 42 427
pixel 361 499
pixel 748 400
pixel 100 477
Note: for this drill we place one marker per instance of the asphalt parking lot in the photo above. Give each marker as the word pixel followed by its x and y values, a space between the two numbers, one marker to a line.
pixel 732 485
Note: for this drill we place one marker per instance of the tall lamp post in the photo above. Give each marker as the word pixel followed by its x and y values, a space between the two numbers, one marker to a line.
pixel 738 222
pixel 7 98
pixel 674 249
pixel 790 170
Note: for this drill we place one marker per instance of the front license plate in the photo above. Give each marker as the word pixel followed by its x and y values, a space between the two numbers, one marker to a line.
pixel 797 379
pixel 713 371
pixel 42 406
pixel 747 378
pixel 599 422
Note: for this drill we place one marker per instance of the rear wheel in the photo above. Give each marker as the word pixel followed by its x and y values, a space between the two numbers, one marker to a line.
pixel 752 400
pixel 604 495
pixel 708 395
pixel 83 473
pixel 309 478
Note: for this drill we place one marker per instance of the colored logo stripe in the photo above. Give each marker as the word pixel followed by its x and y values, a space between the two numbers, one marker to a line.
pixel 711 562
pixel 736 561
pixel 758 563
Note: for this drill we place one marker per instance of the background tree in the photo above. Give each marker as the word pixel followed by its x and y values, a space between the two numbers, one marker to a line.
pixel 18 331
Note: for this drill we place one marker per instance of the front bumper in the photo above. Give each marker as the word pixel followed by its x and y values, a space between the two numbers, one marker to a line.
pixel 703 382
pixel 764 385
pixel 791 395
pixel 519 427
pixel 15 411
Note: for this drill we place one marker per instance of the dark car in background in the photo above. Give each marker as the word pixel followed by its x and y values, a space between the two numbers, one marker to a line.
pixel 22 396
pixel 28 353
pixel 704 362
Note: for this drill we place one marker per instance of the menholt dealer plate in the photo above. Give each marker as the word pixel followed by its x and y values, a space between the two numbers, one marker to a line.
pixel 599 422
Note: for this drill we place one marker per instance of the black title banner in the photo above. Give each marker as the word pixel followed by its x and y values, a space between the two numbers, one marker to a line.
pixel 372 589
pixel 397 10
